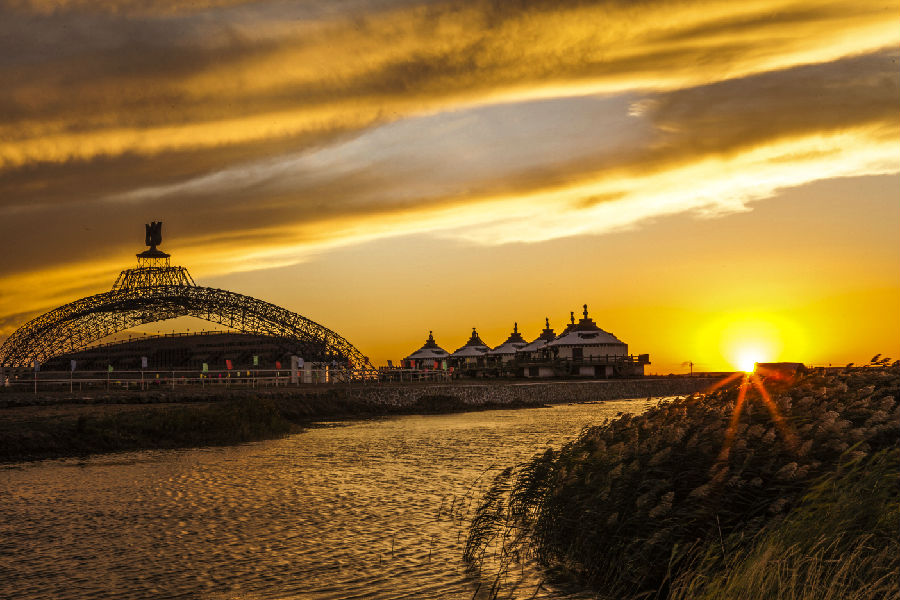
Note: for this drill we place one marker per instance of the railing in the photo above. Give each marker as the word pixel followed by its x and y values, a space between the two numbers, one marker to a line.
pixel 401 374
pixel 150 379
pixel 607 359
pixel 172 379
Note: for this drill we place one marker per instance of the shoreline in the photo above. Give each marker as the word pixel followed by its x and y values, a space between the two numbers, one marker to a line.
pixel 45 426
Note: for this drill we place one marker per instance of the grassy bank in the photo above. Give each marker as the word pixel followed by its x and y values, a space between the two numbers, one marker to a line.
pixel 691 500
pixel 104 429
pixel 56 431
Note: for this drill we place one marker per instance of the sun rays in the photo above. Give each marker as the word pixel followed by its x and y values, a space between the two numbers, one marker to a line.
pixel 753 381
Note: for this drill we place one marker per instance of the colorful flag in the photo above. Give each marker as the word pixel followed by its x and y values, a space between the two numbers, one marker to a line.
pixel 206 367
pixel 109 368
pixel 277 364
pixel 143 362
pixel 228 363
pixel 255 360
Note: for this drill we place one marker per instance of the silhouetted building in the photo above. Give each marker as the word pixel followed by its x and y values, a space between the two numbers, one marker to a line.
pixel 471 356
pixel 506 352
pixel 157 291
pixel 779 370
pixel 538 353
pixel 583 349
pixel 429 356
pixel 585 342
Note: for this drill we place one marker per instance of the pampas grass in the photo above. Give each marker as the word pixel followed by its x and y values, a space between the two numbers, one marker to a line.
pixel 630 505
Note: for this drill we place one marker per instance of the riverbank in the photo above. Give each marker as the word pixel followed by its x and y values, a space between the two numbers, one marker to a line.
pixel 39 426
pixel 753 491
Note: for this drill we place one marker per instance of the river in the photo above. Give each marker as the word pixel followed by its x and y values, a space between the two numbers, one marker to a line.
pixel 366 509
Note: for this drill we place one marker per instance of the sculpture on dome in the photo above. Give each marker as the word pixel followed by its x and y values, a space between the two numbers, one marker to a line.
pixel 154 234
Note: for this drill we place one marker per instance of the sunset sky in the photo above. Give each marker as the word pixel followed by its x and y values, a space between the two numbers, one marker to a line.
pixel 711 178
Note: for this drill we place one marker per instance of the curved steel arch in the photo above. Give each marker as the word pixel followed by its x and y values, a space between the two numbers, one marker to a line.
pixel 74 326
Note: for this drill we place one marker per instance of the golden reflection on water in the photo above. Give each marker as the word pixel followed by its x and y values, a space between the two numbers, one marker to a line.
pixel 371 509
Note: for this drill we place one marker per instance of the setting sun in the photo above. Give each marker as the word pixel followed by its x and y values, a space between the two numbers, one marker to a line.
pixel 745 340
pixel 746 360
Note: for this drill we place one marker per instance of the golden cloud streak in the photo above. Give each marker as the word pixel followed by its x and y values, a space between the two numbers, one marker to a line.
pixel 710 186
pixel 713 185
pixel 63 147
pixel 417 60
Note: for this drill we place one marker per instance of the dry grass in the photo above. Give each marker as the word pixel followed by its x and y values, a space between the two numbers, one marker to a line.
pixel 839 544
pixel 801 572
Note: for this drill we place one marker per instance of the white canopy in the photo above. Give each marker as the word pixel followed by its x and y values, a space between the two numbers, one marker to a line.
pixel 430 351
pixel 511 345
pixel 473 348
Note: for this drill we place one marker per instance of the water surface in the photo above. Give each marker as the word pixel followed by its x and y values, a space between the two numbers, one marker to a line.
pixel 369 509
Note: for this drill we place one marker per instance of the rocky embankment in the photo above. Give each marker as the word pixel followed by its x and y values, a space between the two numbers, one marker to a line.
pixel 49 425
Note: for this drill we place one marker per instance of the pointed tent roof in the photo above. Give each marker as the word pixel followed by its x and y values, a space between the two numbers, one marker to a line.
pixel 474 347
pixel 584 333
pixel 512 343
pixel 429 351
pixel 547 335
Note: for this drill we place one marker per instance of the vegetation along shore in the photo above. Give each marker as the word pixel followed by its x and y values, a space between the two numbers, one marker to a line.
pixel 35 433
pixel 761 489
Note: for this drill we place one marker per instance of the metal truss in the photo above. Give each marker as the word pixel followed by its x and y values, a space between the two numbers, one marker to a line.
pixel 153 271
pixel 76 325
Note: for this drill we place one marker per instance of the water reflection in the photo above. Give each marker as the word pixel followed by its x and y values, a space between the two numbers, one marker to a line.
pixel 369 509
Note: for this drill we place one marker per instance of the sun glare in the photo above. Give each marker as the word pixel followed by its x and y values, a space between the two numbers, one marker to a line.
pixel 747 358
pixel 745 340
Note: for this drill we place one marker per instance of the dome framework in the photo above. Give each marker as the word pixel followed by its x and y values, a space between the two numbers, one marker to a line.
pixel 156 291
